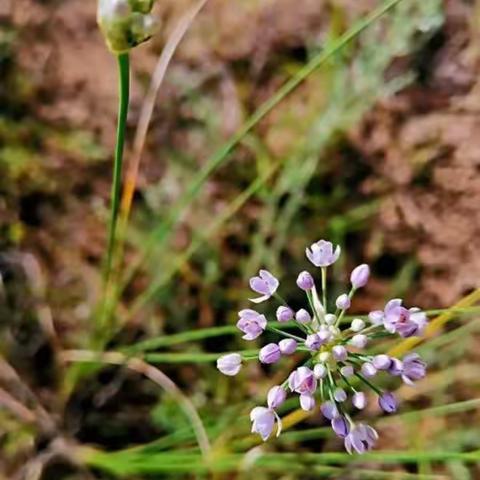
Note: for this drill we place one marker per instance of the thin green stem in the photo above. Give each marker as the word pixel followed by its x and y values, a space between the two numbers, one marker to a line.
pixel 123 102
pixel 324 288
pixel 124 96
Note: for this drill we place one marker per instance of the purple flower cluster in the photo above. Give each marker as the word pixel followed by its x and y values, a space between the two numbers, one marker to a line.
pixel 337 367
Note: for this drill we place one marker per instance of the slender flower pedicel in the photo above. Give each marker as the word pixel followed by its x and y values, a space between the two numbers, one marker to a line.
pixel 336 370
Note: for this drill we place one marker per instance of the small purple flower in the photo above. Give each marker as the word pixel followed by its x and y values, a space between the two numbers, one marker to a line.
pixel 414 368
pixel 303 317
pixel 305 281
pixel 287 346
pixel 321 253
pixel 340 426
pixel 320 371
pixel 368 369
pixel 359 400
pixel 360 275
pixel 329 410
pixel 340 395
pixel 343 302
pixel 284 314
pixel 407 323
pixel 313 342
pixel 307 402
pixel 361 439
pixel 339 353
pixel 382 362
pixel 263 422
pixel 396 367
pixel 359 340
pixel 388 402
pixel 276 396
pixel 347 371
pixel 251 323
pixel 230 364
pixel 303 381
pixel 265 284
pixel 270 353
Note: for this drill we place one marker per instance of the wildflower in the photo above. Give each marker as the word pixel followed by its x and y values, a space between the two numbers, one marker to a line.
pixel 305 281
pixel 359 276
pixel 251 323
pixel 270 353
pixel 263 422
pixel 287 346
pixel 302 380
pixel 414 368
pixel 407 323
pixel 321 253
pixel 388 403
pixel 265 284
pixel 284 314
pixel 230 364
pixel 361 439
pixel 331 352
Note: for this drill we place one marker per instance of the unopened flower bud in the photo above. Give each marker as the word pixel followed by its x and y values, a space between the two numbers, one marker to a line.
pixel 330 319
pixel 276 396
pixel 307 402
pixel 360 275
pixel 388 403
pixel 357 325
pixel 339 353
pixel 320 371
pixel 359 341
pixel 284 314
pixel 313 342
pixel 369 370
pixel 270 353
pixel 287 346
pixel 382 362
pixel 303 317
pixel 230 364
pixel 343 302
pixel 305 281
pixel 359 400
pixel 347 371
pixel 340 395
